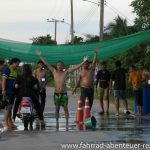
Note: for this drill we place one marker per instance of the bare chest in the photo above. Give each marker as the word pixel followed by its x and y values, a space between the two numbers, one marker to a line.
pixel 87 74
pixel 40 73
pixel 59 76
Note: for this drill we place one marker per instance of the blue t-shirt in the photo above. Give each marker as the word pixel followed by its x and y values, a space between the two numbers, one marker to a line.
pixel 10 74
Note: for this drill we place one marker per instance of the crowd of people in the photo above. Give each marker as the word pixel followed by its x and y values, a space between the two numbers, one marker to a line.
pixel 28 83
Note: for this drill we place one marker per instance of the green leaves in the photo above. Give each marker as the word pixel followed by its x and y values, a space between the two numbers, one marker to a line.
pixel 142 9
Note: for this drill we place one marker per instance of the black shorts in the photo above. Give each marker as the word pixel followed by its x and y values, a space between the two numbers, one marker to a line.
pixel 11 98
pixel 138 97
pixel 87 92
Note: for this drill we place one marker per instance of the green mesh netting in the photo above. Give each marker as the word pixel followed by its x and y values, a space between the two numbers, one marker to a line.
pixel 72 54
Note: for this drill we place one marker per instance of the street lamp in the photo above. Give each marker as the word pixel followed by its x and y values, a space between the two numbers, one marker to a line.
pixel 101 20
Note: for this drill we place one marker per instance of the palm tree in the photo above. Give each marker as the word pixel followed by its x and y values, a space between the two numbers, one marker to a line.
pixel 117 28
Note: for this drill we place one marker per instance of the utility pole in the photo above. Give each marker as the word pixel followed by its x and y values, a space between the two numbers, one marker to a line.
pixel 101 20
pixel 72 36
pixel 55 21
pixel 72 23
pixel 100 4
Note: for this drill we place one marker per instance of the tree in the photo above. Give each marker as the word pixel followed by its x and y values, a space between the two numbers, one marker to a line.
pixel 117 28
pixel 76 40
pixel 43 40
pixel 142 10
pixel 91 38
pixel 142 21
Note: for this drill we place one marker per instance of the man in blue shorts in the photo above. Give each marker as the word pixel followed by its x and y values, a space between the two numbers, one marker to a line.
pixel 119 78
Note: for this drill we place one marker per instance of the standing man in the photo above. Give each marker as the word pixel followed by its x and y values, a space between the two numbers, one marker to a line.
pixel 119 78
pixel 86 81
pixel 41 74
pixel 103 78
pixel 136 79
pixel 9 76
pixel 60 94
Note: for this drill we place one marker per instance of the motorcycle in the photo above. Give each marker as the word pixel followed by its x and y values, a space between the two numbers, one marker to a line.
pixel 26 112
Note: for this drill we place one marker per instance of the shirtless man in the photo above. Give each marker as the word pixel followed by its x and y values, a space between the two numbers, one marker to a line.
pixel 60 95
pixel 86 81
pixel 41 74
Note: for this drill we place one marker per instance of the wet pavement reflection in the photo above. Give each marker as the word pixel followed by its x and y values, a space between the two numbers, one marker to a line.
pixel 127 128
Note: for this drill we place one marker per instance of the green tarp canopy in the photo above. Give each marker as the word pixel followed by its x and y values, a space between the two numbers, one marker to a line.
pixel 71 54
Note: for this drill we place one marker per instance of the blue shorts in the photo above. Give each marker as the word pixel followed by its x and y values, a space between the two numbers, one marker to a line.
pixel 120 94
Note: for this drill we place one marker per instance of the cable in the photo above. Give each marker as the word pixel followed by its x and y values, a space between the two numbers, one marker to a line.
pixel 66 37
pixel 52 10
pixel 109 1
pixel 87 17
pixel 117 12
pixel 60 8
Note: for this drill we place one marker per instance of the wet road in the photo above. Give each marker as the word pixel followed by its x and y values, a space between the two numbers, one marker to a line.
pixel 126 129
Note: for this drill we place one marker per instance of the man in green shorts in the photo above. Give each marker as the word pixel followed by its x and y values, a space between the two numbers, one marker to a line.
pixel 61 99
pixel 60 94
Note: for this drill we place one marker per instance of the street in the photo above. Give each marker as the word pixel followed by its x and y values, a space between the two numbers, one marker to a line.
pixel 126 129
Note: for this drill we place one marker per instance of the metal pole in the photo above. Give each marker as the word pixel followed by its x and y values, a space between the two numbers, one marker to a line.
pixel 72 24
pixel 101 20
pixel 55 21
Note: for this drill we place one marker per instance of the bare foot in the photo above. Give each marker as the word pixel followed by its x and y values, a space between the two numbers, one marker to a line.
pixel 12 126
pixel 6 127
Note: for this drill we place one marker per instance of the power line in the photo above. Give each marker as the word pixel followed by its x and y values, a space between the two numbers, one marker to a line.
pixel 117 12
pixel 52 10
pixel 60 8
pixel 92 2
pixel 88 16
pixel 66 37
pixel 100 3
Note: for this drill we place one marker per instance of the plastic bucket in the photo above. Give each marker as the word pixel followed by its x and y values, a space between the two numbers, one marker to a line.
pixel 90 122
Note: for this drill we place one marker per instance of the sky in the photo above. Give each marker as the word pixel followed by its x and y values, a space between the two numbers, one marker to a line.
pixel 21 20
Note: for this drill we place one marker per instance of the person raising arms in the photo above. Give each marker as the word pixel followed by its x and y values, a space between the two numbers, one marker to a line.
pixel 60 94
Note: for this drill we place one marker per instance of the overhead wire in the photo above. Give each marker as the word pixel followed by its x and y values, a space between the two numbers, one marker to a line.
pixel 60 7
pixel 118 12
pixel 85 21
